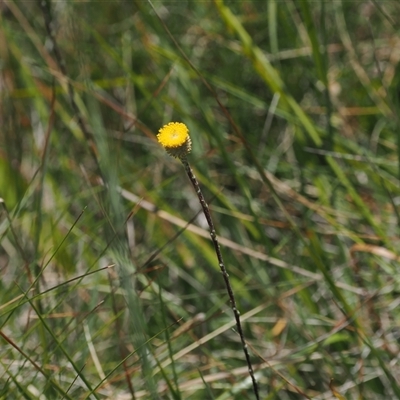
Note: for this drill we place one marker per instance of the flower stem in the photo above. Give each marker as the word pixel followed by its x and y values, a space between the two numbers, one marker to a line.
pixel 225 275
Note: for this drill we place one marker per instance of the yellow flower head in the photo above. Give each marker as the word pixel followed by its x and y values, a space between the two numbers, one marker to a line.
pixel 175 139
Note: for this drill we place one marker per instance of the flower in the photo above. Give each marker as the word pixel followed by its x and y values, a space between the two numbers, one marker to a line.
pixel 175 139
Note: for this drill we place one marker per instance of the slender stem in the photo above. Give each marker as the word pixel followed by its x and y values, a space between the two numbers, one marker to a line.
pixel 225 275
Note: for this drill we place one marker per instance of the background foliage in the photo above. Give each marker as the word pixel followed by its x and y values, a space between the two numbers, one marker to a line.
pixel 109 285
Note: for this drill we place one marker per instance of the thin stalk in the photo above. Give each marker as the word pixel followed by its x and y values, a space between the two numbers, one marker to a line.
pixel 224 272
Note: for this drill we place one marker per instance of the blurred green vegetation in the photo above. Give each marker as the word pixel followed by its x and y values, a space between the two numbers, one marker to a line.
pixel 109 284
